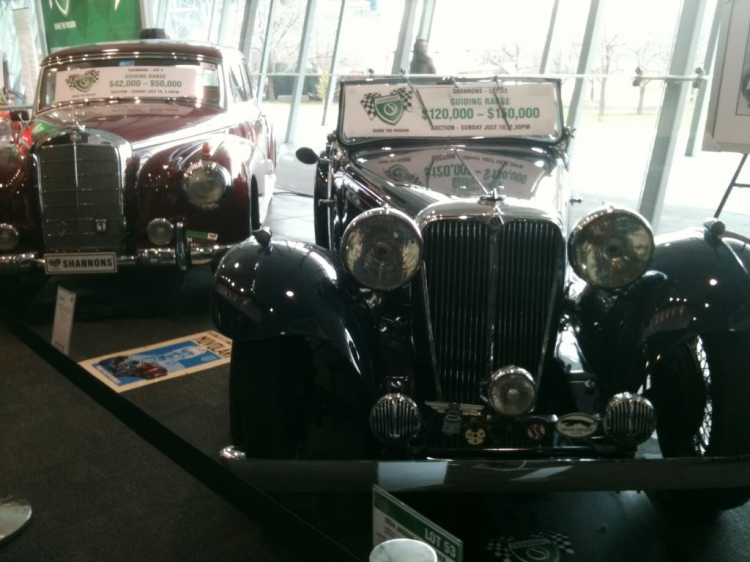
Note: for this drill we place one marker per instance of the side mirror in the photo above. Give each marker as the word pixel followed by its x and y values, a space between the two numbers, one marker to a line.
pixel 19 115
pixel 306 155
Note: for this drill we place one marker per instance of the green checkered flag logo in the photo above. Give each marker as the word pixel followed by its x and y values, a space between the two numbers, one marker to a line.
pixel 544 546
pixel 83 82
pixel 389 108
pixel 534 550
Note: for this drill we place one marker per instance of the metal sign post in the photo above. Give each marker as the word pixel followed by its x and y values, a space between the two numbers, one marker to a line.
pixel 732 185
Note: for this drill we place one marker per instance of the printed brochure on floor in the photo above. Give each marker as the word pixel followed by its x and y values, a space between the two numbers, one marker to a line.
pixel 133 368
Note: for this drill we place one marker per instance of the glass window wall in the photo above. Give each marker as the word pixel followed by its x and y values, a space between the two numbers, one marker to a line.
pixel 615 131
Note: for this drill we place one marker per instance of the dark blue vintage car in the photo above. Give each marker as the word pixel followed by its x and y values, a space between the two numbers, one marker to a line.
pixel 448 310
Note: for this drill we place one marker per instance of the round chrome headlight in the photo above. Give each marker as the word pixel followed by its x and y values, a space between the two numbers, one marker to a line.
pixel 206 183
pixel 160 232
pixel 8 237
pixel 611 247
pixel 511 391
pixel 382 249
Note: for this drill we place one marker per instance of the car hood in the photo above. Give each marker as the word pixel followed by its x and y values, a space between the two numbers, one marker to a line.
pixel 412 178
pixel 136 123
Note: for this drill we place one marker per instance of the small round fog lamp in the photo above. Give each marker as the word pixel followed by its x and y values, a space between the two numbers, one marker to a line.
pixel 511 391
pixel 160 232
pixel 8 237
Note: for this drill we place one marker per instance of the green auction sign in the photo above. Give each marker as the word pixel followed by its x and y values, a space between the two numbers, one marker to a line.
pixel 68 23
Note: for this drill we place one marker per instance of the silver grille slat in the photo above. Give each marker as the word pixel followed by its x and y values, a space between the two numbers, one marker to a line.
pixel 80 184
pixel 472 336
pixel 395 417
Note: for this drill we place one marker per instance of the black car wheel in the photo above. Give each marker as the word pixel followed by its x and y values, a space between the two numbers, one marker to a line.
pixel 701 393
pixel 291 398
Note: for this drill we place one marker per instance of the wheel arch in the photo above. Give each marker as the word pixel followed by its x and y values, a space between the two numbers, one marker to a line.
pixel 289 288
pixel 697 284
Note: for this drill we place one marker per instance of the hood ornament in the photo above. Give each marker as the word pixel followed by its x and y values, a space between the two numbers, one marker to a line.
pixel 75 116
pixel 492 195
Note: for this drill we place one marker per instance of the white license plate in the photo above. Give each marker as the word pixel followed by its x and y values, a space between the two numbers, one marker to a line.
pixel 94 262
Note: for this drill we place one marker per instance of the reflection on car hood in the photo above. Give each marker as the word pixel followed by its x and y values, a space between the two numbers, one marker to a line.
pixel 413 178
pixel 133 122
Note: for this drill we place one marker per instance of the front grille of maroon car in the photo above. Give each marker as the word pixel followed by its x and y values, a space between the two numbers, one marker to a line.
pixel 80 187
pixel 491 295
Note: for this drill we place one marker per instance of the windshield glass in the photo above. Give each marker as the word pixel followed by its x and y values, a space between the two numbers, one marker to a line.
pixel 487 108
pixel 129 78
pixel 457 172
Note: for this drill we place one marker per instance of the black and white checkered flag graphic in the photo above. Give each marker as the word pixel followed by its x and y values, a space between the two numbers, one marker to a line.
pixel 368 102
pixel 560 540
pixel 499 547
pixel 72 78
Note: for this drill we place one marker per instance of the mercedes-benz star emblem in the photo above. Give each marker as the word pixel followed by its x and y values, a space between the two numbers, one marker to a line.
pixel 60 228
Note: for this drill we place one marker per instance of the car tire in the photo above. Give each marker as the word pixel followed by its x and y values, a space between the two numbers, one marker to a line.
pixel 267 398
pixel 701 393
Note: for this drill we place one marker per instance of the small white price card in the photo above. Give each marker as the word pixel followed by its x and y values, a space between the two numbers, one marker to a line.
pixel 393 519
pixel 62 326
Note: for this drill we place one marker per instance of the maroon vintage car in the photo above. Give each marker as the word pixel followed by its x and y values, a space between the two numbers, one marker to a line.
pixel 138 153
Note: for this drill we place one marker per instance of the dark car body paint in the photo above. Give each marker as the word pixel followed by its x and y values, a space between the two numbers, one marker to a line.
pixel 294 288
pixel 336 312
pixel 618 331
pixel 697 284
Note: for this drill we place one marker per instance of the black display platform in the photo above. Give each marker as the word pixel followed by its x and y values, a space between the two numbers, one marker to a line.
pixel 187 419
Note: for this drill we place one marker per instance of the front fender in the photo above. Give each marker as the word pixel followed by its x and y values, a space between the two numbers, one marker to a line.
pixel 697 284
pixel 159 188
pixel 294 288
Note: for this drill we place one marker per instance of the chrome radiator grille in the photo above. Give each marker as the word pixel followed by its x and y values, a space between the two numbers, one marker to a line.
pixel 486 317
pixel 80 187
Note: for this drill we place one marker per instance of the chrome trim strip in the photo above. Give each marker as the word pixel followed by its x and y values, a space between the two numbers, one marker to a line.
pixel 128 54
pixel 556 285
pixel 487 212
pixel 430 338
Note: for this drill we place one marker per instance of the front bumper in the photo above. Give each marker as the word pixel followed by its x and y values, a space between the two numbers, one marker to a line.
pixel 496 476
pixel 183 258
